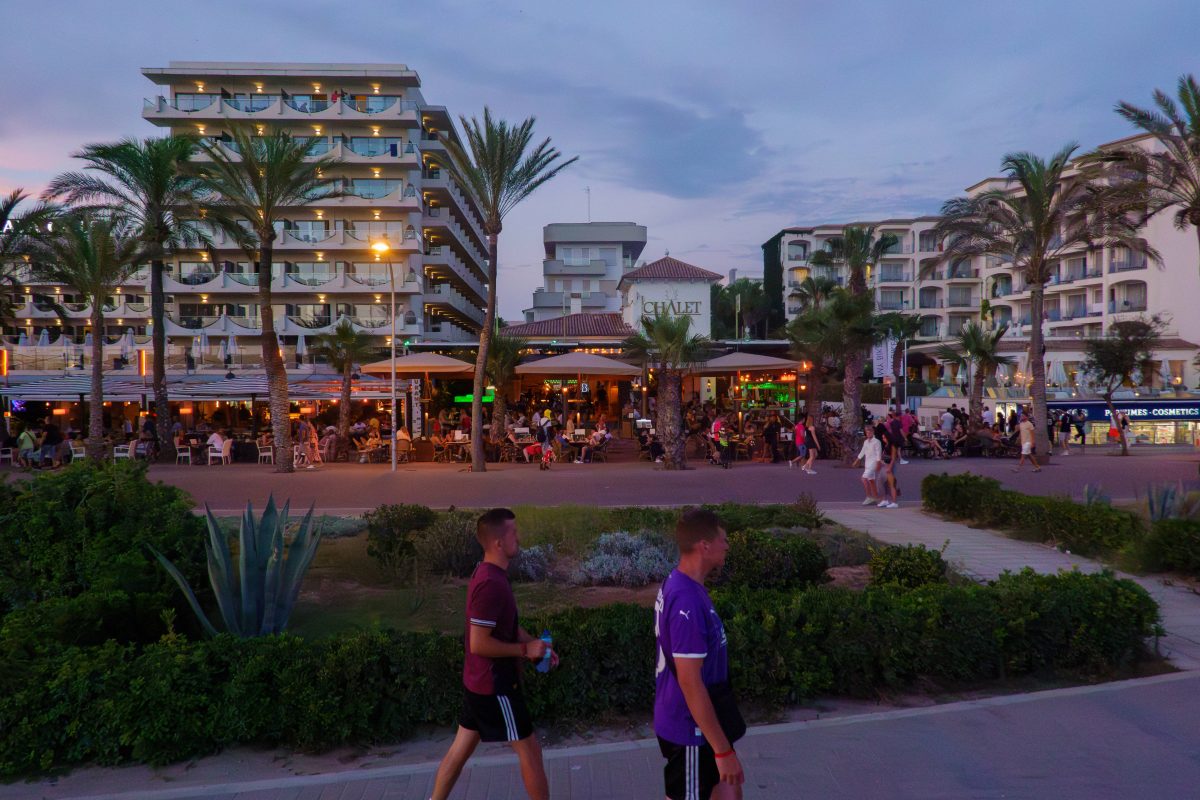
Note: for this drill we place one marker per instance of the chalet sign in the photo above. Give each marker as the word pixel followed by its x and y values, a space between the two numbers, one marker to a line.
pixel 671 308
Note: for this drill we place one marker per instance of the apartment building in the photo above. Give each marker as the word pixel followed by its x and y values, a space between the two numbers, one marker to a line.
pixel 583 266
pixel 1088 289
pixel 328 267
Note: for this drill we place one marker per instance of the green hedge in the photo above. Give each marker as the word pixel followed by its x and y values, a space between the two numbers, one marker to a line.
pixel 1094 529
pixel 177 698
pixel 1172 544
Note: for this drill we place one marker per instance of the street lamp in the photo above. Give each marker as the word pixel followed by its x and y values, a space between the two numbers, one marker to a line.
pixel 380 247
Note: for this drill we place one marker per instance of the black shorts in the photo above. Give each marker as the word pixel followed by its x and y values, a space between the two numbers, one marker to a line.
pixel 691 772
pixel 496 717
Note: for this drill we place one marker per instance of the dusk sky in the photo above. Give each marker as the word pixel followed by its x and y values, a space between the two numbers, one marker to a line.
pixel 714 124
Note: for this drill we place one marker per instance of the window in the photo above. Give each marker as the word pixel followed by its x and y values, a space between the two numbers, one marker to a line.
pixel 797 251
pixel 609 256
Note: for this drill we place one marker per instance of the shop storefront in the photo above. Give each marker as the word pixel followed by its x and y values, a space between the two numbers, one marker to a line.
pixel 1174 421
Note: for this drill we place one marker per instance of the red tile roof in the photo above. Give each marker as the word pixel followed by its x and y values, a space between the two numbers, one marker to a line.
pixel 669 269
pixel 573 326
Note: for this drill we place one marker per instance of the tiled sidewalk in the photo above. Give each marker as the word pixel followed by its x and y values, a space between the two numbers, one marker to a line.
pixel 984 554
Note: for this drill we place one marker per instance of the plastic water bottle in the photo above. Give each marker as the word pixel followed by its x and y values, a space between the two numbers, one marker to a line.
pixel 544 664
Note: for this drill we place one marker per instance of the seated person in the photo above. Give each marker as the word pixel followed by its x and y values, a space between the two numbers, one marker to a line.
pixel 652 446
pixel 598 437
pixel 368 445
pixel 402 434
pixel 216 440
pixel 923 441
pixel 958 440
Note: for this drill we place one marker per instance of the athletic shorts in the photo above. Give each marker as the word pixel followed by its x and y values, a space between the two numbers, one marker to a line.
pixel 691 771
pixel 1027 449
pixel 496 717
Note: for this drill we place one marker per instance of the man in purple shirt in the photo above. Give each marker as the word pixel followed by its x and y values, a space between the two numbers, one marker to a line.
pixel 695 715
pixel 494 707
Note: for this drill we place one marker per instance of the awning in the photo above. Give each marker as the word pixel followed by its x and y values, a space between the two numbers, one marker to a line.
pixel 577 364
pixel 421 364
pixel 745 362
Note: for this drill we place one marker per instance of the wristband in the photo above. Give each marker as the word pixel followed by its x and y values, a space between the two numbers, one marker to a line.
pixel 726 754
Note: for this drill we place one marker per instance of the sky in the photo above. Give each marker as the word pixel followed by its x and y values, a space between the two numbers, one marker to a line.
pixel 714 124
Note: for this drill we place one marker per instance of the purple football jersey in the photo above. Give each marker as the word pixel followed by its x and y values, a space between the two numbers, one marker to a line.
pixel 686 625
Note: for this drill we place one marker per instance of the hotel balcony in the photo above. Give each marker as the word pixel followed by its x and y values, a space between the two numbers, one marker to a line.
pixel 580 267
pixel 291 277
pixel 436 185
pixel 591 301
pixel 892 276
pixel 308 325
pixel 443 264
pixel 452 304
pixel 274 107
pixel 443 230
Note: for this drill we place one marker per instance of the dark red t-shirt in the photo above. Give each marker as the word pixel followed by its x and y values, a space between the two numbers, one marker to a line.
pixel 490 604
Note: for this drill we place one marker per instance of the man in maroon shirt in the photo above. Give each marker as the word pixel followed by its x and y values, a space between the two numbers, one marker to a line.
pixel 494 708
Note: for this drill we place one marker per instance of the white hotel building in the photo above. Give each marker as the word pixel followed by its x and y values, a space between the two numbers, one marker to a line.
pixel 375 120
pixel 1087 291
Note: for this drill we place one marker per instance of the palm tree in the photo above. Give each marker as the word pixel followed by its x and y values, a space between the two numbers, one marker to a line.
pixel 145 181
pixel 857 249
pixel 1170 179
pixel 499 173
pixel 503 357
pixel 271 175
pixel 18 233
pixel 979 349
pixel 828 335
pixel 815 290
pixel 669 343
pixel 1045 213
pixel 93 255
pixel 343 348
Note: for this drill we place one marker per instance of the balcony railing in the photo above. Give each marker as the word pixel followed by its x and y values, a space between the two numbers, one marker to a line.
pixel 313 278
pixel 1127 265
pixel 374 104
pixel 371 277
pixel 961 302
pixel 931 303
pixel 253 103
pixel 195 278
pixel 137 308
pixel 307 105
pixel 247 322
pixel 196 103
pixel 900 249
pixel 375 322
pixel 194 322
pixel 895 277
pixel 962 274
pixel 893 305
pixel 305 321
pixel 246 278
pixel 372 188
pixel 1124 306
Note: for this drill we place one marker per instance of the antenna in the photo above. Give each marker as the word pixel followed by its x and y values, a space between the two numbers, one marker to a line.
pixel 588 189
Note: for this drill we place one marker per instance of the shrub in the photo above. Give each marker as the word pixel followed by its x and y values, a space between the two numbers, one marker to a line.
pixel 390 531
pixel 627 559
pixel 176 698
pixel 739 517
pixel 1172 544
pixel 448 546
pixel 772 561
pixel 907 566
pixel 1085 529
pixel 77 539
pixel 532 563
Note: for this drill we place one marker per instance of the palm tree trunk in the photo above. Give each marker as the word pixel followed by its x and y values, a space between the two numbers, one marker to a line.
pixel 851 406
pixel 478 463
pixel 95 442
pixel 343 433
pixel 158 344
pixel 499 415
pixel 812 390
pixel 975 402
pixel 1037 367
pixel 670 385
pixel 277 387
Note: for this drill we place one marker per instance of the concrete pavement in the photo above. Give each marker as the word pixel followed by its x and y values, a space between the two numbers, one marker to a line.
pixel 1129 739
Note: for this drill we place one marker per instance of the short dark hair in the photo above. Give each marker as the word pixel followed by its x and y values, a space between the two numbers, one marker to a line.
pixel 491 524
pixel 696 525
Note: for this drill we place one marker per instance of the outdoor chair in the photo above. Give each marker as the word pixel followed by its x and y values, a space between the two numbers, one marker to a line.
pixel 78 452
pixel 215 455
pixel 6 454
pixel 183 454
pixel 266 455
pixel 121 452
pixel 227 451
pixel 403 450
pixel 299 457
pixel 600 451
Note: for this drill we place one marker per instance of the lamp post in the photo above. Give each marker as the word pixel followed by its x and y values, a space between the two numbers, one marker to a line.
pixel 380 248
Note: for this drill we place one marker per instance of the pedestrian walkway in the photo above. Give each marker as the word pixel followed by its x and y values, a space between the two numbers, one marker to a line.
pixel 1116 740
pixel 982 554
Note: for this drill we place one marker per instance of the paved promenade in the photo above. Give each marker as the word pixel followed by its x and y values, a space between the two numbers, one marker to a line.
pixel 353 488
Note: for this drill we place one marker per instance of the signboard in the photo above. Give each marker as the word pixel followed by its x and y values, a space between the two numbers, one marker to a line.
pixel 1138 410
pixel 671 308
pixel 882 356
pixel 416 418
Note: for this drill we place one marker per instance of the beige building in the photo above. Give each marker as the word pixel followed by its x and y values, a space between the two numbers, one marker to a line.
pixel 373 118
pixel 1087 291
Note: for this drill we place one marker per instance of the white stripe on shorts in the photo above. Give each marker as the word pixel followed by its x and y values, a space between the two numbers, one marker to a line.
pixel 692 791
pixel 510 724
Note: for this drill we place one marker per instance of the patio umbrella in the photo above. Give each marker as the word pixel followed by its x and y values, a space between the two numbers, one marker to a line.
pixel 1056 375
pixel 744 362
pixel 127 343
pixel 301 347
pixel 203 342
pixel 420 364
pixel 233 346
pixel 1168 379
pixel 577 364
pixel 224 350
pixel 44 338
pixel 23 339
pixel 87 339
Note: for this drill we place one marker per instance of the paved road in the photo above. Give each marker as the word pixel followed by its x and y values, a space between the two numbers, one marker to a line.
pixel 1132 739
pixel 353 488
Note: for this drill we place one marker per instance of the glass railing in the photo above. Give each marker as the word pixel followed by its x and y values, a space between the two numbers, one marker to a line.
pixel 931 303
pixel 371 188
pixel 306 321
pixel 894 277
pixel 1126 265
pixel 312 236
pixel 195 277
pixel 371 146
pixel 307 105
pixel 311 278
pixel 75 307
pixel 246 278
pixel 247 322
pixel 195 322
pixel 370 321
pixel 1122 306
pixel 185 103
pixel 1075 311
pixel 253 103
pixel 372 104
pixel 317 147
pixel 373 275
pixel 137 308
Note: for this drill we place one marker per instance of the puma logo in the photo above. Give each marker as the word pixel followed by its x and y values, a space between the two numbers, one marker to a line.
pixel 685 614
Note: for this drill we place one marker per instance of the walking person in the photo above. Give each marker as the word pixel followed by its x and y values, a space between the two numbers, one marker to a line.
pixel 1079 421
pixel 812 446
pixel 696 717
pixel 885 474
pixel 494 707
pixel 800 439
pixel 871 454
pixel 1064 432
pixel 1025 430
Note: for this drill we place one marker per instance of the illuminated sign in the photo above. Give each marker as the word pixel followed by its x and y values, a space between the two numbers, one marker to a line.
pixel 1136 410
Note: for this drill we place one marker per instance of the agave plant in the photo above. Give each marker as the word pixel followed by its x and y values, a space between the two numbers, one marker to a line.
pixel 257 601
